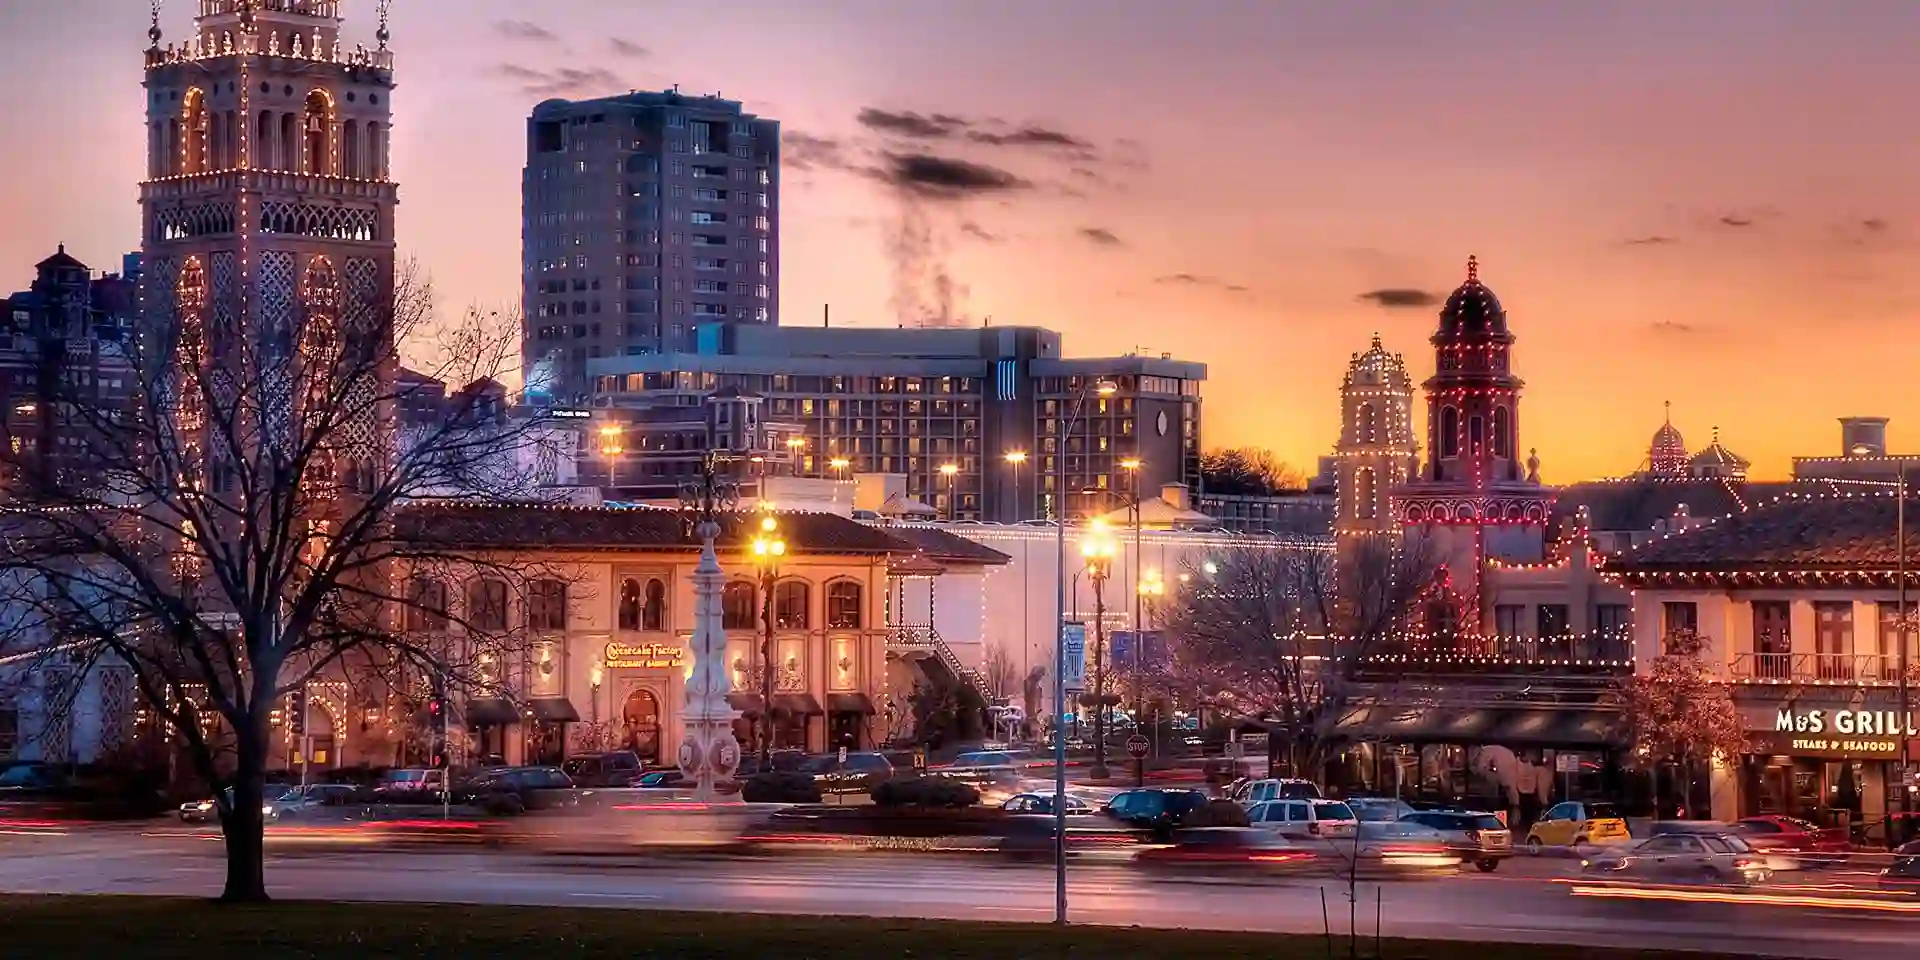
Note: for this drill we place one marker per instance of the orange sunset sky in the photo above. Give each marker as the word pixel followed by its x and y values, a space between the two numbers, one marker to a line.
pixel 1712 202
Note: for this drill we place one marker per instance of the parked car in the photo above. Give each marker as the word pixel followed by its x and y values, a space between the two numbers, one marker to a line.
pixel 206 811
pixel 415 785
pixel 618 768
pixel 32 781
pixel 308 800
pixel 1683 858
pixel 858 773
pixel 783 761
pixel 1573 823
pixel 1477 838
pixel 989 759
pixel 1791 836
pixel 1250 792
pixel 514 790
pixel 1043 803
pixel 1304 819
pixel 661 779
pixel 1230 850
pixel 1903 873
pixel 1160 810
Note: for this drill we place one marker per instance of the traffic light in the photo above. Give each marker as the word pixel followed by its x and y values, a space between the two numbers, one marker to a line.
pixel 297 712
pixel 437 719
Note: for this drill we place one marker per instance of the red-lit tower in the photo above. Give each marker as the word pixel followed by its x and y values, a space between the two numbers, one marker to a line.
pixel 1475 494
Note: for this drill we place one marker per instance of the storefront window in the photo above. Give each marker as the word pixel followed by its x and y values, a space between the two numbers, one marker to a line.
pixel 737 606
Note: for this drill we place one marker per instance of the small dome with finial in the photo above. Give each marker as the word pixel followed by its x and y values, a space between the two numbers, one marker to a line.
pixel 1378 368
pixel 1718 461
pixel 1667 454
pixel 1472 310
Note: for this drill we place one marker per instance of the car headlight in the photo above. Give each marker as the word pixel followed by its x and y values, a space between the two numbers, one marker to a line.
pixel 203 806
pixel 266 811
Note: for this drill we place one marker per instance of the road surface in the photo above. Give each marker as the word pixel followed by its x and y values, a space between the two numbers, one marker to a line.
pixel 1507 906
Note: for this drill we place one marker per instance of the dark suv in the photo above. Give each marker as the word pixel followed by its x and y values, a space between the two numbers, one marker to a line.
pixel 858 773
pixel 620 768
pixel 1156 809
pixel 515 790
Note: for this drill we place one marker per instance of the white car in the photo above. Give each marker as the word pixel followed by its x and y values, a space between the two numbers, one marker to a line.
pixel 1304 819
pixel 1253 792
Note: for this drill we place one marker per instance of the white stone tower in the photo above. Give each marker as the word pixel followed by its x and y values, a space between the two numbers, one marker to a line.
pixel 1376 452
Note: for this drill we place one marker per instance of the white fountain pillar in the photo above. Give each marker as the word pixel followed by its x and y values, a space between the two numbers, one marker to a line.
pixel 709 752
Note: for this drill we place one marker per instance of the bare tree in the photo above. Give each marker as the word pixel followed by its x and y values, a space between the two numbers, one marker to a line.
pixel 1248 471
pixel 1291 635
pixel 228 536
pixel 1679 713
pixel 1001 676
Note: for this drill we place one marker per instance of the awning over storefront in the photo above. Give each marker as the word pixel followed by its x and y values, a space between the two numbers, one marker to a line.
pixel 801 704
pixel 1504 726
pixel 491 712
pixel 554 710
pixel 747 703
pixel 849 703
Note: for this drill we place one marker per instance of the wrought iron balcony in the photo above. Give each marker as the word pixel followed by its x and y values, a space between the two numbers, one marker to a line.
pixel 1828 669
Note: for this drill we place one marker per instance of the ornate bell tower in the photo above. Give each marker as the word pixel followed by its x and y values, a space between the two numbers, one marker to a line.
pixel 1376 452
pixel 267 210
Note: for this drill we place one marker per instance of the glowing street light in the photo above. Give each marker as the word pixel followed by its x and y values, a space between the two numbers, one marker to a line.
pixel 612 445
pixel 768 547
pixel 952 472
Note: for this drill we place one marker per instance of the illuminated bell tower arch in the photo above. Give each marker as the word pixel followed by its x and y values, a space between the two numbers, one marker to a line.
pixel 268 179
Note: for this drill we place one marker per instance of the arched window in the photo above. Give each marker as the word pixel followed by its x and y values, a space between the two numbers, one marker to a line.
pixel 487 605
pixel 1502 432
pixel 171 159
pixel 156 149
pixel 629 614
pixel 317 127
pixel 427 605
pixel 790 605
pixel 1476 436
pixel 263 134
pixel 737 607
pixel 216 141
pixel 1364 489
pixel 653 616
pixel 376 153
pixel 1449 432
pixel 546 605
pixel 230 147
pixel 289 141
pixel 350 149
pixel 194 128
pixel 1369 424
pixel 844 605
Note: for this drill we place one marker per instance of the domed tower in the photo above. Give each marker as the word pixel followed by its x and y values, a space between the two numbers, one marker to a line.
pixel 1667 455
pixel 1478 496
pixel 267 209
pixel 1376 451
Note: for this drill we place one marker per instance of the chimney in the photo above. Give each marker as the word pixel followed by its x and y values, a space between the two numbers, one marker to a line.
pixel 1175 494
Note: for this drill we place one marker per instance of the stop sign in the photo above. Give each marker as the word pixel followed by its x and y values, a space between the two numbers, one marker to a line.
pixel 1137 746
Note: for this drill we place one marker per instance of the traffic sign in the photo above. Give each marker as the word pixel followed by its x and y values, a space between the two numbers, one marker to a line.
pixel 1137 747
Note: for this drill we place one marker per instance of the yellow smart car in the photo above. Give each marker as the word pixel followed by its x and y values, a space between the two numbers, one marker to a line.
pixel 1572 823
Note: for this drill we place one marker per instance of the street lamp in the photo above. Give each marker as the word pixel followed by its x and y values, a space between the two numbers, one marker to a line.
pixel 1016 459
pixel 951 471
pixel 1903 622
pixel 1105 388
pixel 1132 466
pixel 1098 548
pixel 594 679
pixel 768 548
pixel 612 445
pixel 840 465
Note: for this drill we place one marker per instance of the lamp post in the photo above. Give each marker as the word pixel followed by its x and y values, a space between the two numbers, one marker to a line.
pixel 768 548
pixel 1148 590
pixel 839 466
pixel 1105 388
pixel 794 446
pixel 612 445
pixel 1132 466
pixel 1016 459
pixel 952 472
pixel 594 679
pixel 708 752
pixel 1098 547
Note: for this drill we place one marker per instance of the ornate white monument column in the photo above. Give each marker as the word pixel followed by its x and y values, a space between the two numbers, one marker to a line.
pixel 709 752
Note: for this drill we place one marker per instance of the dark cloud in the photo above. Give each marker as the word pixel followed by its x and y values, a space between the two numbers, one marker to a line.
pixel 802 151
pixel 1653 240
pixel 1874 225
pixel 627 48
pixel 1400 298
pixel 1735 220
pixel 1032 137
pixel 980 233
pixel 1671 327
pixel 561 81
pixel 1198 280
pixel 525 30
pixel 911 125
pixel 946 177
pixel 1101 236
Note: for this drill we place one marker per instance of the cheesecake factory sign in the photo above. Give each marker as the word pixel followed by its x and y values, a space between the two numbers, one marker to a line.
pixel 645 656
pixel 1847 733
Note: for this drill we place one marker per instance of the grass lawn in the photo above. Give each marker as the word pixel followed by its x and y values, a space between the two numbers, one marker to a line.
pixel 136 928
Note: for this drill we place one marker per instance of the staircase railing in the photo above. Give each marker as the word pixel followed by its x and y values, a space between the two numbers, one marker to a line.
pixel 927 640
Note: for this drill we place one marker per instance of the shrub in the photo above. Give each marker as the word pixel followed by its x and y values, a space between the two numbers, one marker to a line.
pixel 779 786
pixel 925 792
pixel 1217 813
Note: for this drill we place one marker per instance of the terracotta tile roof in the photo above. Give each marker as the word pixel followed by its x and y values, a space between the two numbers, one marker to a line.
pixel 942 546
pixel 1640 503
pixel 490 526
pixel 1810 533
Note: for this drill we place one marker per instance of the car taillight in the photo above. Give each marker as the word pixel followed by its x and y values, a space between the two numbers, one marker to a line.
pixel 1314 828
pixel 1743 863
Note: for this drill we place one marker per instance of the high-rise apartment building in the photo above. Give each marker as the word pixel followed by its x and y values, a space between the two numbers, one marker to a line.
pixel 644 215
pixel 980 422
